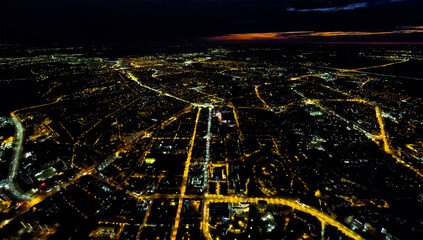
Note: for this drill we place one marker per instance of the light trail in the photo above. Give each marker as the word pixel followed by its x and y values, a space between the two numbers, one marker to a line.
pixel 249 154
pixel 241 136
pixel 387 148
pixel 207 158
pixel 160 92
pixel 368 80
pixel 276 146
pixel 56 85
pixel 205 220
pixel 211 96
pixel 176 132
pixel 370 67
pixel 14 188
pixel 206 169
pixel 171 138
pixel 307 75
pixel 259 108
pixel 67 131
pixel 259 97
pixel 126 84
pixel 383 136
pixel 185 179
pixel 144 221
pixel 13 114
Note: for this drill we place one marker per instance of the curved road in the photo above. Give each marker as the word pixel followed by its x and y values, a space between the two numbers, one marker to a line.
pixel 14 188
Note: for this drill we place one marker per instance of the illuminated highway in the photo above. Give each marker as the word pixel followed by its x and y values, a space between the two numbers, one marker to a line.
pixel 370 67
pixel 14 169
pixel 259 97
pixel 234 110
pixel 144 222
pixel 207 158
pixel 185 179
pixel 161 92
pixel 295 204
pixel 14 188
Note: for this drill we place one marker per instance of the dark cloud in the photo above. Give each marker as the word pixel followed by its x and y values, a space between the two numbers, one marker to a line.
pixel 335 6
pixel 340 5
pixel 348 7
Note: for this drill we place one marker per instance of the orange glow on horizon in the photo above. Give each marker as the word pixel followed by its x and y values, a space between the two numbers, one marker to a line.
pixel 246 36
pixel 305 34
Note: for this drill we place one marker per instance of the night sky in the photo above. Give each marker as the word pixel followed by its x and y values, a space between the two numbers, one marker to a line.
pixel 133 21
